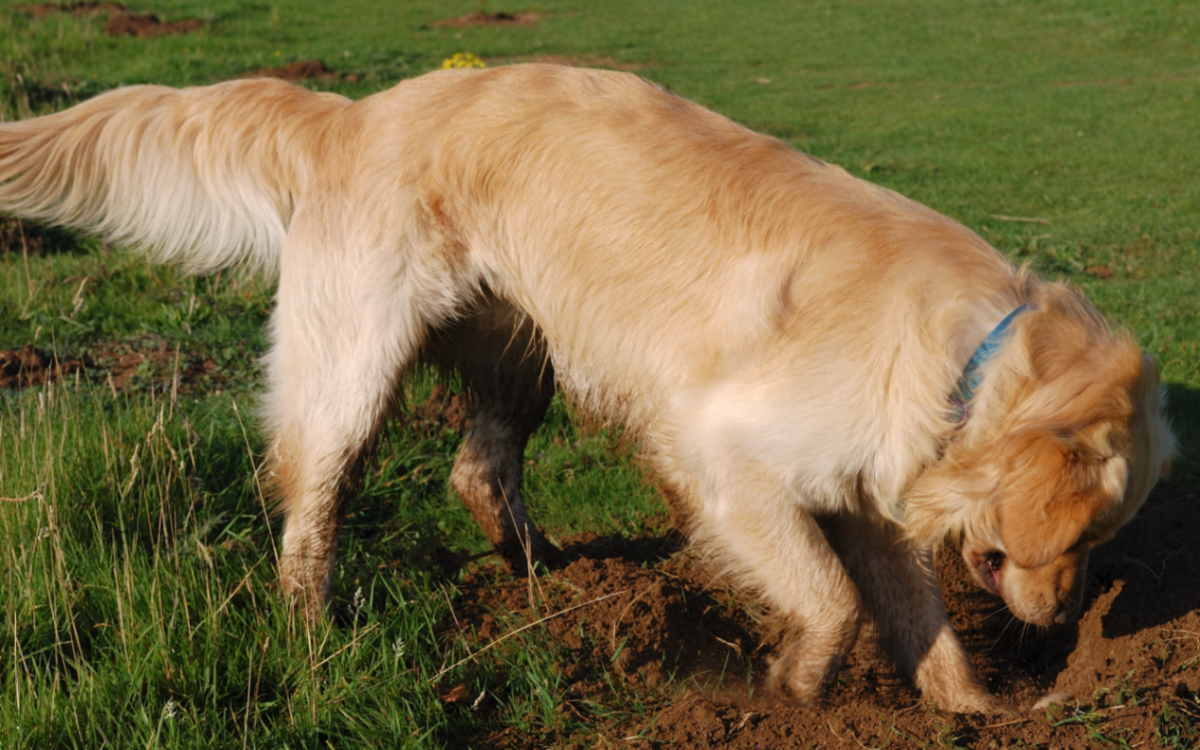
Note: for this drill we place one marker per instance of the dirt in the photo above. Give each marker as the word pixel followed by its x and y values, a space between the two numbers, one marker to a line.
pixel 120 22
pixel 302 70
pixel 480 18
pixel 144 25
pixel 19 237
pixel 150 361
pixel 646 609
pixel 442 409
pixel 27 366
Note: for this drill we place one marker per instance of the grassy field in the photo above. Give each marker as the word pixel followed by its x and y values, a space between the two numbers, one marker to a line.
pixel 138 556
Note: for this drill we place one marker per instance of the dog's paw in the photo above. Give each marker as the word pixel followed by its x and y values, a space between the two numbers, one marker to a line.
pixel 535 548
pixel 972 700
pixel 800 675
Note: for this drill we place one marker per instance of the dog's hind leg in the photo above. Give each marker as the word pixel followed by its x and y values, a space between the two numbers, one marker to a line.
pixel 508 376
pixel 899 589
pixel 348 323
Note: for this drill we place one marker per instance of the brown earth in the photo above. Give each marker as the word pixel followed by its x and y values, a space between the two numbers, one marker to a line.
pixel 18 237
pixel 121 22
pixel 648 610
pixel 480 18
pixel 441 409
pixel 27 366
pixel 149 361
pixel 301 70
pixel 146 25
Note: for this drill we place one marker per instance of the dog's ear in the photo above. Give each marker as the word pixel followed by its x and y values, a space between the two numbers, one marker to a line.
pixel 1056 482
pixel 1152 392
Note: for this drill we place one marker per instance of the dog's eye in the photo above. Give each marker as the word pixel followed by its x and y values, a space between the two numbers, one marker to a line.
pixel 993 560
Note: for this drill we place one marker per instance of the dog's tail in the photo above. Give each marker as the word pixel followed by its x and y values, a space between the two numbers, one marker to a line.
pixel 206 177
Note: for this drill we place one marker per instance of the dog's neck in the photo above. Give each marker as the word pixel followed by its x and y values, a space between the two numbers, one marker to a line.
pixel 972 375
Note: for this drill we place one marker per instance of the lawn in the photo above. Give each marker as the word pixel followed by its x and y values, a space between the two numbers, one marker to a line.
pixel 138 550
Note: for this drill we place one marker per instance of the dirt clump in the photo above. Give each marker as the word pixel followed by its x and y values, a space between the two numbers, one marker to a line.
pixel 649 617
pixel 150 362
pixel 145 25
pixel 442 409
pixel 120 22
pixel 27 366
pixel 480 18
pixel 154 360
pixel 301 70
pixel 25 237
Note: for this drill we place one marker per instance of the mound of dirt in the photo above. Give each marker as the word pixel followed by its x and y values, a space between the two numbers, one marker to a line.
pixel 479 18
pixel 441 409
pixel 120 23
pixel 17 237
pixel 27 366
pixel 153 358
pixel 301 70
pixel 150 362
pixel 145 25
pixel 640 611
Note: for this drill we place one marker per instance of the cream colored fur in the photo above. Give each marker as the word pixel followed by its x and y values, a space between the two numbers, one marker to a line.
pixel 784 338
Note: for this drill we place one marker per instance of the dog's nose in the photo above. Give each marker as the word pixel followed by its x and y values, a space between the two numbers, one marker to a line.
pixel 1067 613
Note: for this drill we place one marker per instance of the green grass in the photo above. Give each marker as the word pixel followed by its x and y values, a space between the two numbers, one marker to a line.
pixel 139 604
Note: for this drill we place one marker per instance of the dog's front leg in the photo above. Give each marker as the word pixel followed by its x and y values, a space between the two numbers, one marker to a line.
pixel 770 543
pixel 900 590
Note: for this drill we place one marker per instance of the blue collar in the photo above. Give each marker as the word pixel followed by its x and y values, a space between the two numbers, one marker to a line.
pixel 973 373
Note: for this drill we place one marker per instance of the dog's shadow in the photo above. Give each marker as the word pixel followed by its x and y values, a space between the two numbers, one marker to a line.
pixel 1154 560
pixel 1154 564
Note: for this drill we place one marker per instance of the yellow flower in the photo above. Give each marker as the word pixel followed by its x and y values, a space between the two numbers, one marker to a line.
pixel 463 60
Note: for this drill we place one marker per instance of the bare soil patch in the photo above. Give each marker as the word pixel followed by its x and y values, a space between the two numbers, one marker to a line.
pixel 121 22
pixel 301 70
pixel 145 25
pixel 1129 670
pixel 24 237
pixel 149 362
pixel 27 366
pixel 154 360
pixel 442 409
pixel 480 18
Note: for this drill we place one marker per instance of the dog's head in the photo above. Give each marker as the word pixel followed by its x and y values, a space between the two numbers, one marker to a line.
pixel 1065 439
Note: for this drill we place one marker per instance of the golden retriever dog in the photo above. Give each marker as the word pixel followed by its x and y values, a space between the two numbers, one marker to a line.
pixel 828 379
